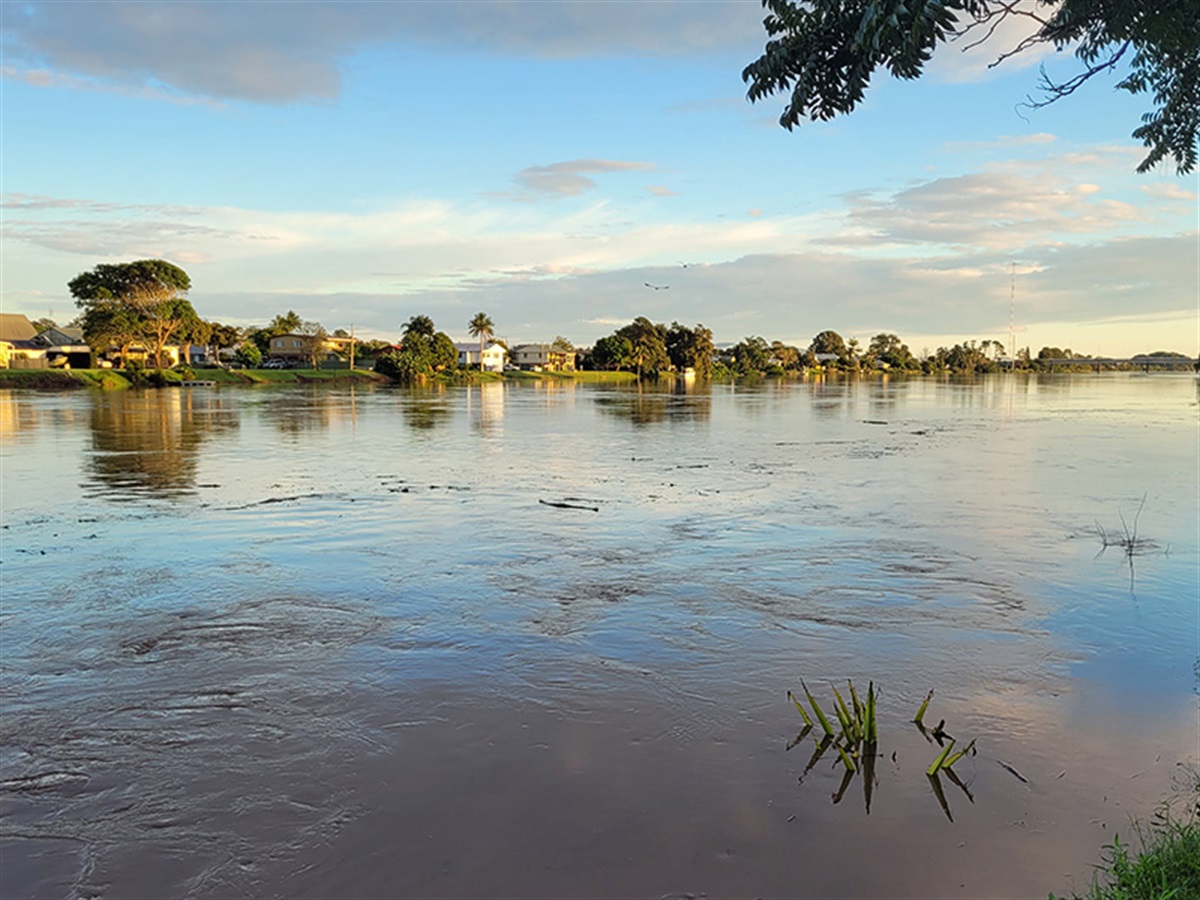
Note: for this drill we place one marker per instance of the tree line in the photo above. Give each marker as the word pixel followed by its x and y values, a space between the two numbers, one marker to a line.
pixel 144 303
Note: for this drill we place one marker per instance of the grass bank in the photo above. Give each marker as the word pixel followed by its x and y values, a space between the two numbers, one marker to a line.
pixel 68 379
pixel 60 379
pixel 580 375
pixel 1161 863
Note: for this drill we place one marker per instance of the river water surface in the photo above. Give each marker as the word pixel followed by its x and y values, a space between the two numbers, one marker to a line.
pixel 536 640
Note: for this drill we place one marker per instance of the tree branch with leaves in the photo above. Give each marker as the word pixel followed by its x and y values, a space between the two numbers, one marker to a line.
pixel 822 54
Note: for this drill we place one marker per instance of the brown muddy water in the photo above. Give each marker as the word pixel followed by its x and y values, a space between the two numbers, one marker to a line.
pixel 536 640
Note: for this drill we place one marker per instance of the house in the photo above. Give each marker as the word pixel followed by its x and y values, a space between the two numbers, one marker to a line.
pixel 17 345
pixel 295 347
pixel 64 345
pixel 493 356
pixel 140 352
pixel 542 357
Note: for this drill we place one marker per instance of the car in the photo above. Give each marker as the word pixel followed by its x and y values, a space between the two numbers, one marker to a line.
pixel 275 364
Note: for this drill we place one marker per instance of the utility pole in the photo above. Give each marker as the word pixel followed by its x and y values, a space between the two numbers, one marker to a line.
pixel 351 346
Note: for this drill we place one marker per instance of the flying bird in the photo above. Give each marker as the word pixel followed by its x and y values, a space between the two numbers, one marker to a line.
pixel 657 287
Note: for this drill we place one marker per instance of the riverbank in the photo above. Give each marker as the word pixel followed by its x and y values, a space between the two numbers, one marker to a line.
pixel 109 379
pixel 70 379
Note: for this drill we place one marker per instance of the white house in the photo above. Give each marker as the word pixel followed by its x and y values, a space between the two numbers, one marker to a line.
pixel 493 356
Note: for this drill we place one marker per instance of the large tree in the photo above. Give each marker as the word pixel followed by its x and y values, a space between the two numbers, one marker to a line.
pixel 222 336
pixel 482 327
pixel 314 342
pixel 690 348
pixel 146 296
pixel 824 52
pixel 830 342
pixel 612 352
pixel 648 342
pixel 418 325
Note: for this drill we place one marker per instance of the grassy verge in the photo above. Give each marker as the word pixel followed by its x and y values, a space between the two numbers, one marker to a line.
pixel 1165 865
pixel 581 375
pixel 60 379
pixel 66 379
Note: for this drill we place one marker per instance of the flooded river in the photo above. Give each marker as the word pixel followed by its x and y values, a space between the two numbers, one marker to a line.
pixel 536 640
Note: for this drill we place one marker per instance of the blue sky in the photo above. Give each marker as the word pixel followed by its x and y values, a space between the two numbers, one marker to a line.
pixel 362 163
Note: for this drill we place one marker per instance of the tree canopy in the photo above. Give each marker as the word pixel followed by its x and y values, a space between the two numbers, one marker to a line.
pixel 824 52
pixel 136 302
pixel 422 353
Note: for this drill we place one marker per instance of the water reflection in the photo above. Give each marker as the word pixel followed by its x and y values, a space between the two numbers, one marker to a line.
pixel 299 412
pixel 145 442
pixel 647 406
pixel 427 408
pixel 16 416
pixel 485 406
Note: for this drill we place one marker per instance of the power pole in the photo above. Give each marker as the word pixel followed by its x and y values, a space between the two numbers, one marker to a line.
pixel 351 346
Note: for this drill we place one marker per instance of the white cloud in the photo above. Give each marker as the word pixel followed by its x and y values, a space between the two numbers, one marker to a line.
pixel 283 52
pixel 566 179
pixel 1004 207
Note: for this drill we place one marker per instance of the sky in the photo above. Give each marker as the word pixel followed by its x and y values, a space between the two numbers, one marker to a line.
pixel 568 166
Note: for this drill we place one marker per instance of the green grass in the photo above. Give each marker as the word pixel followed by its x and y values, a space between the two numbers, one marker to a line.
pixel 1165 865
pixel 579 375
pixel 61 379
pixel 66 379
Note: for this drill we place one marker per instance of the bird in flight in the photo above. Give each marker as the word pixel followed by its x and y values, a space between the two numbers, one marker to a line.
pixel 657 287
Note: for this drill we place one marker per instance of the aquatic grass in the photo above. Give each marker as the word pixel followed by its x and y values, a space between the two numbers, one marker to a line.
pixel 843 713
pixel 856 744
pixel 846 760
pixel 919 718
pixel 1127 539
pixel 816 708
pixel 799 708
pixel 869 713
pixel 957 756
pixel 941 759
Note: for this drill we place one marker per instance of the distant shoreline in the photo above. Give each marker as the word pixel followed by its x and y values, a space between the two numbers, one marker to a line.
pixel 118 379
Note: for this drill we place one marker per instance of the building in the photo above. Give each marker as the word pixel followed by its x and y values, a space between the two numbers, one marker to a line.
pixel 542 358
pixel 64 345
pixel 493 356
pixel 17 341
pixel 295 347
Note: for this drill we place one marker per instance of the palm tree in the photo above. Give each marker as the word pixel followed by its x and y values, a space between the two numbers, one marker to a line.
pixel 482 327
pixel 419 325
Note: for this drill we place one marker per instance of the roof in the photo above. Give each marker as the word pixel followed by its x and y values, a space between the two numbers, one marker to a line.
pixel 61 336
pixel 469 347
pixel 16 327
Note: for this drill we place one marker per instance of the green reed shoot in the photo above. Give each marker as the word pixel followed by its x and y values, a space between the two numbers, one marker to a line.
pixel 843 714
pixel 920 716
pixel 869 713
pixel 846 760
pixel 860 712
pixel 941 759
pixel 800 709
pixel 816 707
pixel 957 756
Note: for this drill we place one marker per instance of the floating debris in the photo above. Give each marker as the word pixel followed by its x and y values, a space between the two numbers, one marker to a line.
pixel 1013 771
pixel 560 505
